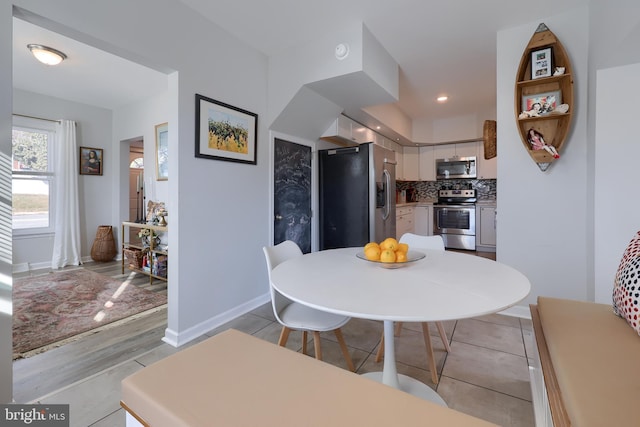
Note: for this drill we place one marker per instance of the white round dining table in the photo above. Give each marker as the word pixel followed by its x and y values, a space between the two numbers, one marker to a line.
pixel 444 285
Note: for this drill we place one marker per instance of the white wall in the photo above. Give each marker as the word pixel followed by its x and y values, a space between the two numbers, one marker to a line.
pixel 542 223
pixel 93 129
pixel 617 152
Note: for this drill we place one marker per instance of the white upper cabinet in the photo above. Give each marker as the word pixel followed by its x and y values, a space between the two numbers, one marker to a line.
pixel 344 131
pixel 462 149
pixel 411 163
pixel 427 164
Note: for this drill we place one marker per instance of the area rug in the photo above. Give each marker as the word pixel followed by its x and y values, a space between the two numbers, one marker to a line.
pixel 54 307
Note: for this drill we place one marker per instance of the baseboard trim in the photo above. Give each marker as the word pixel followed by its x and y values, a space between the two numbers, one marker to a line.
pixel 178 339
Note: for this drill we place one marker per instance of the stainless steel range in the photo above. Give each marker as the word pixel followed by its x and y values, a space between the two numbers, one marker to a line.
pixel 454 218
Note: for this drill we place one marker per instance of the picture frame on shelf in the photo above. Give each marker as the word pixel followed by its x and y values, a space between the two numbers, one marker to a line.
pixel 542 103
pixel 541 63
pixel 91 161
pixel 162 152
pixel 225 132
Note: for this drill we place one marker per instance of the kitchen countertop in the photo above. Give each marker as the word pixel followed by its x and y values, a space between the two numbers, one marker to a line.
pixel 483 202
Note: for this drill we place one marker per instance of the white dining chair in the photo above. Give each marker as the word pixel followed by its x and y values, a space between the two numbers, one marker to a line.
pixel 417 242
pixel 298 317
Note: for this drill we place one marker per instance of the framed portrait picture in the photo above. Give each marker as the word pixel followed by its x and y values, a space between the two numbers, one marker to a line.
pixel 91 161
pixel 162 152
pixel 542 103
pixel 541 63
pixel 224 132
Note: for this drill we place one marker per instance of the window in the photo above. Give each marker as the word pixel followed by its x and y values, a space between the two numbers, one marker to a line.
pixel 32 176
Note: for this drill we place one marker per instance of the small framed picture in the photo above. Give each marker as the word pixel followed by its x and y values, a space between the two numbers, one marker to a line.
pixel 541 63
pixel 91 161
pixel 540 104
pixel 225 132
pixel 162 152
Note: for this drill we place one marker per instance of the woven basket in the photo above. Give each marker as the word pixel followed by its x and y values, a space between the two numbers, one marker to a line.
pixel 133 257
pixel 489 137
pixel 104 246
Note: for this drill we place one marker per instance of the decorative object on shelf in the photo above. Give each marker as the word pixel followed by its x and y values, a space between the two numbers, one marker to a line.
pixel 161 214
pixel 162 152
pixel 104 245
pixel 541 63
pixel 152 211
pixel 133 256
pixel 91 161
pixel 489 139
pixel 147 235
pixel 543 97
pixel 225 132
pixel 536 140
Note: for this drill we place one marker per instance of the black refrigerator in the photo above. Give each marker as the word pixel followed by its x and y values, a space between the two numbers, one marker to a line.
pixel 357 196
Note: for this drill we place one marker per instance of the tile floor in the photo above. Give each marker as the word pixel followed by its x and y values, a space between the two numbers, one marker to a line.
pixel 485 375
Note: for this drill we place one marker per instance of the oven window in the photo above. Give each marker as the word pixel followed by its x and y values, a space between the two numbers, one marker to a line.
pixel 454 219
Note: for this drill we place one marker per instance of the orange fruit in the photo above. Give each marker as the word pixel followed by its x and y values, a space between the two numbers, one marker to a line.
pixel 372 253
pixel 401 256
pixel 371 245
pixel 387 255
pixel 403 247
pixel 389 243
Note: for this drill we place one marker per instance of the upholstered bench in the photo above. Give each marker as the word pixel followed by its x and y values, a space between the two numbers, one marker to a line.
pixel 234 379
pixel 590 362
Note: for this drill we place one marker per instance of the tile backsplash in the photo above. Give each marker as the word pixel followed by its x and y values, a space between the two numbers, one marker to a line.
pixel 486 189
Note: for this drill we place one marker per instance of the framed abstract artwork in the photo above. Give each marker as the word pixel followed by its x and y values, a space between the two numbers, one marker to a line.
pixel 225 132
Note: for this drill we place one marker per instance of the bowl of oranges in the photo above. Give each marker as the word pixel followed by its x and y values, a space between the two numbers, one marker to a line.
pixel 389 253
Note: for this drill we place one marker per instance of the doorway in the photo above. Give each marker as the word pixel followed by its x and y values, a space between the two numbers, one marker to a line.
pixel 136 172
pixel 292 194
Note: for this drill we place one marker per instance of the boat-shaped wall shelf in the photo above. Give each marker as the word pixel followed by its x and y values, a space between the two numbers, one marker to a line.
pixel 544 97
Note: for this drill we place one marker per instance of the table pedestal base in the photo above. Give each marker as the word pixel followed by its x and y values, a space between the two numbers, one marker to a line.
pixel 411 386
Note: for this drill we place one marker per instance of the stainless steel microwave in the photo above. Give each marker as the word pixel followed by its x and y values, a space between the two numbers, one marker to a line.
pixel 456 168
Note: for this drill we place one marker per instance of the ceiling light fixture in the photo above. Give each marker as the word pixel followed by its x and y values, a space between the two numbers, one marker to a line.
pixel 442 98
pixel 47 55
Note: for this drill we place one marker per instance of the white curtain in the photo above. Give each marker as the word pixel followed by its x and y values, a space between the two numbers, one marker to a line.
pixel 66 243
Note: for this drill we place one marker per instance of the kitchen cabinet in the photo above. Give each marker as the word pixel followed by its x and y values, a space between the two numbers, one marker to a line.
pixel 427 164
pixel 344 130
pixel 411 163
pixel 157 255
pixel 461 149
pixel 423 216
pixel 404 220
pixel 486 221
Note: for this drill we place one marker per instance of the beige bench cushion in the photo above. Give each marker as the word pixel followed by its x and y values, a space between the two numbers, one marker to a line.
pixel 234 379
pixel 596 358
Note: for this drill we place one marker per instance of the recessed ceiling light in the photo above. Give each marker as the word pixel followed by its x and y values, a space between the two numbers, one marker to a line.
pixel 47 55
pixel 442 98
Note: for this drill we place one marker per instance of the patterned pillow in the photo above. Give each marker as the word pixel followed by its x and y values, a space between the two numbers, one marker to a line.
pixel 626 288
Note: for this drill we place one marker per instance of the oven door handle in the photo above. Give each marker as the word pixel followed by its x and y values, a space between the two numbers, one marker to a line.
pixel 387 194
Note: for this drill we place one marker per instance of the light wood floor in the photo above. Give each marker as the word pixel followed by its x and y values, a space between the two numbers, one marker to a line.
pixel 43 373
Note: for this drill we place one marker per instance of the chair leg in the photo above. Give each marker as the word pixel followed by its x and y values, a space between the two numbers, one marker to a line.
pixel 380 351
pixel 284 336
pixel 431 359
pixel 316 344
pixel 345 350
pixel 398 328
pixel 304 342
pixel 443 336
